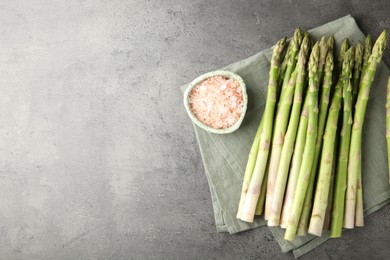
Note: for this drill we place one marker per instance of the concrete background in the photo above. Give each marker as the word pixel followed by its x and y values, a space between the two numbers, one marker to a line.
pixel 98 157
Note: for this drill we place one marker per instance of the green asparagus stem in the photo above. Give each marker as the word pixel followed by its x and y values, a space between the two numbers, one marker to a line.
pixel 308 154
pixel 335 156
pixel 261 201
pixel 355 149
pixel 388 125
pixel 324 103
pixel 359 217
pixel 252 196
pixel 287 150
pixel 306 210
pixel 249 167
pixel 324 177
pixel 366 56
pixel 356 70
pixel 329 207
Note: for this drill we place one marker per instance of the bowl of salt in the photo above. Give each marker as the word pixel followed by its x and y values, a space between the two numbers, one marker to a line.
pixel 217 101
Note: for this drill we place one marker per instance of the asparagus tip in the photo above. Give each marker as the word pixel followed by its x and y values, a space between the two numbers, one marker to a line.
pixel 323 40
pixel 367 45
pixel 359 50
pixel 348 63
pixel 304 50
pixel 379 47
pixel 329 63
pixel 323 48
pixel 368 38
pixel 330 43
pixel 298 34
pixel 345 43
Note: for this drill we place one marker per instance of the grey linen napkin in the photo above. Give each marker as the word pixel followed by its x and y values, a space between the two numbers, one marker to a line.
pixel 224 156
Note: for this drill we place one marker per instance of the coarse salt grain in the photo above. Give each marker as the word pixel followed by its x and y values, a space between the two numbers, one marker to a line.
pixel 217 101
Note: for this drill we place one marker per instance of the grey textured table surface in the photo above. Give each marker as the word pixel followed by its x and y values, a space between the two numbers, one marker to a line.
pixel 98 157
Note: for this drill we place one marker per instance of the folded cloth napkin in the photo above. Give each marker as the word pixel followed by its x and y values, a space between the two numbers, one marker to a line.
pixel 224 156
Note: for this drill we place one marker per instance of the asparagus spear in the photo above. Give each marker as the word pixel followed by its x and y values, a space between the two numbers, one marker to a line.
pixel 249 167
pixel 252 196
pixel 281 121
pixel 323 183
pixel 287 150
pixel 359 217
pixel 355 149
pixel 335 156
pixel 341 174
pixel 308 155
pixel 388 125
pixel 356 71
pixel 366 56
pixel 330 197
pixel 324 101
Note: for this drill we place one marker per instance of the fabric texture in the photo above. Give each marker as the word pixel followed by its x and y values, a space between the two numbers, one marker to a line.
pixel 225 156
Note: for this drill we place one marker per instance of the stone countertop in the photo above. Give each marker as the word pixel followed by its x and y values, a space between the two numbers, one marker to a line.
pixel 99 158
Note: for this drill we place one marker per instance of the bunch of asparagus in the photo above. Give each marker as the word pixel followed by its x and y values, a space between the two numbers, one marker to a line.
pixel 304 167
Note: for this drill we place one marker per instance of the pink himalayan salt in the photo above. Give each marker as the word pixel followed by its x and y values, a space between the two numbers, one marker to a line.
pixel 217 101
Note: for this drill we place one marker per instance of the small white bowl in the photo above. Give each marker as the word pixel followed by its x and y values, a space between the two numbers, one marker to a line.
pixel 198 80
